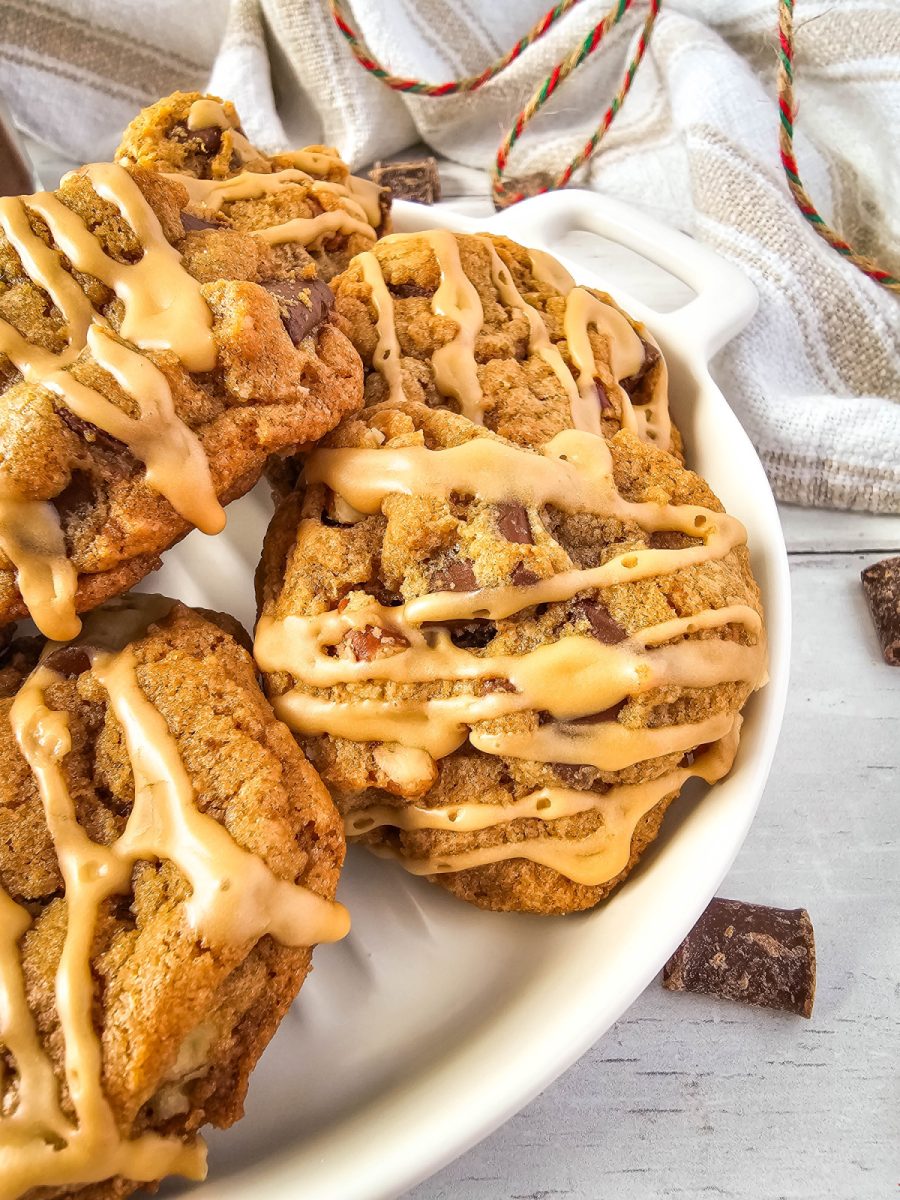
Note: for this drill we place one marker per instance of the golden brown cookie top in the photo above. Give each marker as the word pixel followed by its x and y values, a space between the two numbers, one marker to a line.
pixel 150 361
pixel 164 849
pixel 556 621
pixel 503 335
pixel 303 198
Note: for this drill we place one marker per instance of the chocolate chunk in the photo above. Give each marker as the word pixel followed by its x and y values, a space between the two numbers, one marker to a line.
pixel 190 222
pixel 513 523
pixel 473 635
pixel 90 433
pixel 603 627
pixel 748 952
pixel 209 139
pixel 408 290
pixel 576 775
pixel 651 358
pixel 522 577
pixel 384 209
pixel 415 179
pixel 602 395
pixel 881 584
pixel 68 661
pixel 456 576
pixel 303 305
pixel 525 185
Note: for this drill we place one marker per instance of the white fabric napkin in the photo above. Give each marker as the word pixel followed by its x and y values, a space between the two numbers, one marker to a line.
pixel 816 376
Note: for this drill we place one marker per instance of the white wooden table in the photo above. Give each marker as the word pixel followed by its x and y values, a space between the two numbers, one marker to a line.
pixel 689 1097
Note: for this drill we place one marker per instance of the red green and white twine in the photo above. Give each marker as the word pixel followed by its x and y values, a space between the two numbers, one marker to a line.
pixel 470 83
pixel 503 195
pixel 541 95
pixel 556 77
pixel 788 111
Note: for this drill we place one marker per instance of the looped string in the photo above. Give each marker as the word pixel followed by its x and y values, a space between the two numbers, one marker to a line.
pixel 556 77
pixel 502 195
pixel 788 111
pixel 469 83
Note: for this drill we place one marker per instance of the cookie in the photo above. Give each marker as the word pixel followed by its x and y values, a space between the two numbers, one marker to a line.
pixel 506 662
pixel 305 203
pixel 502 335
pixel 150 362
pixel 168 859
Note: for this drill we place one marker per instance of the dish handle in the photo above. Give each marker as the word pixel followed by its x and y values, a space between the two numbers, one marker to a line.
pixel 725 299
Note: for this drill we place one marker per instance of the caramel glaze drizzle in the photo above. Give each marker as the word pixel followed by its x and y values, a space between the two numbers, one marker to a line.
pixel 572 678
pixel 162 309
pixel 360 210
pixel 235 900
pixel 590 861
pixel 352 217
pixel 310 162
pixel 454 364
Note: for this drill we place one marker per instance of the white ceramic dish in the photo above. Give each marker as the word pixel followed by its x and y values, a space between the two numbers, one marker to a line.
pixel 434 1022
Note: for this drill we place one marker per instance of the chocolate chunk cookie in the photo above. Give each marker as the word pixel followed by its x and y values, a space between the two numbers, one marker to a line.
pixel 502 335
pixel 305 203
pixel 168 859
pixel 506 662
pixel 150 362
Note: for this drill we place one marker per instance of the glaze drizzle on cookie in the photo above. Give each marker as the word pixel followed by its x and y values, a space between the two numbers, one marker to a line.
pixel 310 162
pixel 235 900
pixel 570 679
pixel 163 309
pixel 353 215
pixel 455 366
pixel 591 860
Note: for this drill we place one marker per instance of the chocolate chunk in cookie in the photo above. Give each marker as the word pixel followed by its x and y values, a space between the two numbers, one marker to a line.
pixel 303 305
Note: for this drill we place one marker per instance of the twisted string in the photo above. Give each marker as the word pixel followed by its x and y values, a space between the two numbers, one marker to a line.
pixel 788 111
pixel 556 77
pixel 470 83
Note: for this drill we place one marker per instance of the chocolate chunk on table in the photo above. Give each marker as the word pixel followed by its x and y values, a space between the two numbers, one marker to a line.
pixel 415 179
pixel 881 584
pixel 748 952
